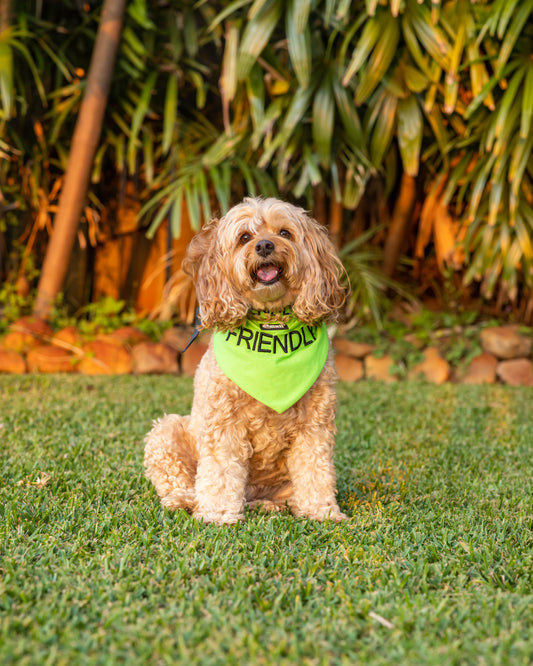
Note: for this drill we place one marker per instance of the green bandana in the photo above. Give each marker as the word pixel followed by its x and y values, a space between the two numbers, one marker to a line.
pixel 275 363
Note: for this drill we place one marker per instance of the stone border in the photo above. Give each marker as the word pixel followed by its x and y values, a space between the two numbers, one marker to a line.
pixel 32 346
pixel 506 358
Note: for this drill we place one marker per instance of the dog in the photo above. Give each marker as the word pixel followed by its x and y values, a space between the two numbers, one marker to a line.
pixel 262 424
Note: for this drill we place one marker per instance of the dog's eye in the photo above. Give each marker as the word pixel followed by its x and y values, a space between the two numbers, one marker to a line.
pixel 244 238
pixel 285 234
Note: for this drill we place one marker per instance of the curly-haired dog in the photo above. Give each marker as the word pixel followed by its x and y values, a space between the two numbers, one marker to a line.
pixel 261 429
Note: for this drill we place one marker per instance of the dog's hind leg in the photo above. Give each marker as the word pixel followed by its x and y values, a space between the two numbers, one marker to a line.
pixel 170 460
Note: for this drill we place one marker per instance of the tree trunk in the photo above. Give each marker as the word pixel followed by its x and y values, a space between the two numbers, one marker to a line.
pixel 401 217
pixel 336 213
pixel 84 143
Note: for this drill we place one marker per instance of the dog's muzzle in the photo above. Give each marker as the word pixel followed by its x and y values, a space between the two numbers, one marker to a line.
pixel 264 247
pixel 269 272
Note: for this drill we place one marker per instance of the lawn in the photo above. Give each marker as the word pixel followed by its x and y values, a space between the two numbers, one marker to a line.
pixel 434 567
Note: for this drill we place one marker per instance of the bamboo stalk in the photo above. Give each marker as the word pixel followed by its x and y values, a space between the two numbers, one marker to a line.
pixel 84 143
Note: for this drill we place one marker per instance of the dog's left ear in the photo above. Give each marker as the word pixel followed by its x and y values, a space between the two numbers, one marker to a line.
pixel 322 293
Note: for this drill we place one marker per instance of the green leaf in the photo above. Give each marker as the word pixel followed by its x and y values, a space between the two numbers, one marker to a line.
pixel 203 193
pixel 507 107
pixel 478 78
pixel 248 179
pixel 371 6
pixel 270 116
pixel 410 131
pixel 190 33
pixel 365 44
pixel 383 129
pixel 348 113
pixel 228 79
pixel 222 149
pixel 520 158
pixel 523 238
pixel 176 214
pixel 227 11
pixel 221 190
pixel 379 62
pixel 323 120
pixel 296 111
pixel 395 7
pixel 138 117
pixel 527 104
pixel 497 185
pixel 255 90
pixel 299 39
pixel 300 13
pixel 451 85
pixel 158 219
pixel 303 182
pixel 479 185
pixel 256 35
pixel 137 45
pixel 415 80
pixel 515 29
pixel 137 9
pixel 311 163
pixel 432 38
pixel 256 7
pixel 170 112
pixel 19 46
pixel 148 154
pixel 193 205
pixel 507 10
pixel 409 36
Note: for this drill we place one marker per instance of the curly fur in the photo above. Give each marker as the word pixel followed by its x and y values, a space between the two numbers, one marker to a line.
pixel 232 450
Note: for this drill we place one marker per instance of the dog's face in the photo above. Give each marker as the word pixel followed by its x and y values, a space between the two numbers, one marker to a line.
pixel 265 255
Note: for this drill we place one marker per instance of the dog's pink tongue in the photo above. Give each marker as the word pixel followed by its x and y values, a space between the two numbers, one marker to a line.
pixel 267 273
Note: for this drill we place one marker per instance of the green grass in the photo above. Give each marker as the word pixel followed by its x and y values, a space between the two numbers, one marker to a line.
pixel 435 566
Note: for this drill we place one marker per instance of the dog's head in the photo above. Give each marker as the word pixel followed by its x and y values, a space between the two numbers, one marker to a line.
pixel 264 254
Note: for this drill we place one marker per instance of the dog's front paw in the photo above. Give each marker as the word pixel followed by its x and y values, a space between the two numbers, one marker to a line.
pixel 322 513
pixel 328 514
pixel 219 517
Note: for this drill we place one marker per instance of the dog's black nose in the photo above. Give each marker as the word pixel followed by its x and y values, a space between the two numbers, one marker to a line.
pixel 264 248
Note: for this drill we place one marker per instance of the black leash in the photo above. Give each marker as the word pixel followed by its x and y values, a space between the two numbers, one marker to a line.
pixel 196 332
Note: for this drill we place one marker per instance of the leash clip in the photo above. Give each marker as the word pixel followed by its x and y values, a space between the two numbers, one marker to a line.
pixel 196 331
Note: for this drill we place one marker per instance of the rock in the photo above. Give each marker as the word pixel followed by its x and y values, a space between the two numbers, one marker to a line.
pixel 26 333
pixel 434 368
pixel 105 358
pixel 177 337
pixel 414 340
pixel 482 370
pixel 49 358
pixel 68 337
pixel 12 362
pixel 192 357
pixel 128 335
pixel 154 358
pixel 505 342
pixel 123 337
pixel 353 349
pixel 516 372
pixel 380 368
pixel 349 369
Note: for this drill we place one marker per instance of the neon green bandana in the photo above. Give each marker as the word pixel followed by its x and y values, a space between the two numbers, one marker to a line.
pixel 275 363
